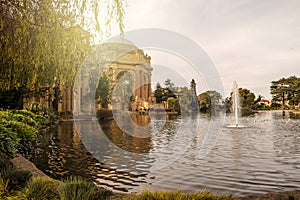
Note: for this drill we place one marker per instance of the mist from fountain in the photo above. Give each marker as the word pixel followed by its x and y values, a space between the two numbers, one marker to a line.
pixel 235 102
pixel 235 106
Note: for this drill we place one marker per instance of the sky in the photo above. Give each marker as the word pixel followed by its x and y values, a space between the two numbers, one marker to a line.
pixel 253 42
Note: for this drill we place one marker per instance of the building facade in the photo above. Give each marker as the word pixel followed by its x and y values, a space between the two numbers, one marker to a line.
pixel 128 70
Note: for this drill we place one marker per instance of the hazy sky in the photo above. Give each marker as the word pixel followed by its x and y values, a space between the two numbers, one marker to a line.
pixel 253 42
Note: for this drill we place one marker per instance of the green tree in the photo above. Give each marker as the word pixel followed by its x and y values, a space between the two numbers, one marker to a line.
pixel 209 101
pixel 158 93
pixel 103 91
pixel 186 101
pixel 169 85
pixel 248 101
pixel 286 90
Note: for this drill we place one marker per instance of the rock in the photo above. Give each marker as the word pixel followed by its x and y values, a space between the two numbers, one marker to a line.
pixel 23 164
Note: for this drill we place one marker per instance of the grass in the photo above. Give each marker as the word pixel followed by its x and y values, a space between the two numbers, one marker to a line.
pixel 42 189
pixel 78 189
pixel 176 195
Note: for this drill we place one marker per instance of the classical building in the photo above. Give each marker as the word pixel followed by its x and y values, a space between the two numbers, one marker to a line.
pixel 128 70
pixel 137 67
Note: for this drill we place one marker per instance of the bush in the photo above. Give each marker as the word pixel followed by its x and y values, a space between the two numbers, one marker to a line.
pixel 18 131
pixel 22 133
pixel 8 141
pixel 14 178
pixel 39 120
pixel 77 189
pixel 41 110
pixel 177 195
pixel 41 189
pixel 3 188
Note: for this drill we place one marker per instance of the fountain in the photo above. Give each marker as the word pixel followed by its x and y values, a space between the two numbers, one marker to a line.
pixel 235 102
pixel 235 107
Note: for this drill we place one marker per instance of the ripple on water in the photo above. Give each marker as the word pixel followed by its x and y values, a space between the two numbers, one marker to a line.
pixel 262 157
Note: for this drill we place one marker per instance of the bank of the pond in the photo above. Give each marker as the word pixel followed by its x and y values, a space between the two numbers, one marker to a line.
pixel 22 163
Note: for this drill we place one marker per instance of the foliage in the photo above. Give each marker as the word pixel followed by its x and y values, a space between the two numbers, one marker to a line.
pixel 173 104
pixel 177 195
pixel 39 120
pixel 158 93
pixel 122 91
pixel 247 100
pixel 8 141
pixel 3 188
pixel 77 189
pixel 41 110
pixel 209 101
pixel 103 91
pixel 14 179
pixel 41 188
pixel 162 94
pixel 169 85
pixel 43 43
pixel 286 90
pixel 18 130
pixel 187 101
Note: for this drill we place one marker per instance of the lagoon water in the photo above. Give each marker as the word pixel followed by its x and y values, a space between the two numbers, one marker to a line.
pixel 261 157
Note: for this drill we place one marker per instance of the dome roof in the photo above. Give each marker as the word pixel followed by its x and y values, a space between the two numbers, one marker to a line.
pixel 120 40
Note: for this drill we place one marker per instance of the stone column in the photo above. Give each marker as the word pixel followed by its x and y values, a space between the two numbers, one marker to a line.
pixel 149 86
pixel 142 85
pixel 137 84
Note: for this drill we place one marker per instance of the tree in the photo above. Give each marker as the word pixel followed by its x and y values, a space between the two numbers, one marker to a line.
pixel 158 93
pixel 247 98
pixel 44 42
pixel 209 101
pixel 163 94
pixel 187 102
pixel 286 90
pixel 248 101
pixel 169 85
pixel 103 91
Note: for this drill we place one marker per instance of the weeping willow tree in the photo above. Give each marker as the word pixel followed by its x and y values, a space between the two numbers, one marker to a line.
pixel 43 42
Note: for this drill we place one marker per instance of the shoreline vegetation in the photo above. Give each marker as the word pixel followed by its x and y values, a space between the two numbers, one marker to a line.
pixel 22 164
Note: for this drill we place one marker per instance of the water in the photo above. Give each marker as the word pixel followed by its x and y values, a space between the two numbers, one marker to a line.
pixel 261 158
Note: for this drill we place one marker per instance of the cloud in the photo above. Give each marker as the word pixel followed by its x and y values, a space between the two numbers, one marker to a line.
pixel 253 42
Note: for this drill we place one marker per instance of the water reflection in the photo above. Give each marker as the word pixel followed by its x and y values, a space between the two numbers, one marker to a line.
pixel 261 158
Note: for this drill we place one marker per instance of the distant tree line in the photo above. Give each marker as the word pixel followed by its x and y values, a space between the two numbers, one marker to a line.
pixel 285 95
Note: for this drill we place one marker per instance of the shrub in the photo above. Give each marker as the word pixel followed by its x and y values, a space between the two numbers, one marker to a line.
pixel 41 189
pixel 22 133
pixel 39 120
pixel 39 109
pixel 15 179
pixel 3 188
pixel 21 126
pixel 77 189
pixel 8 141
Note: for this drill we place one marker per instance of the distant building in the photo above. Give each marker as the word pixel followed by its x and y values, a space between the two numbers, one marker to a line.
pixel 265 102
